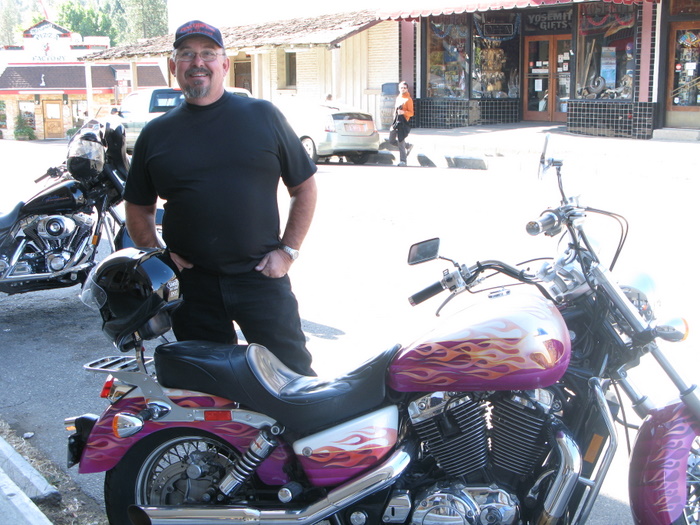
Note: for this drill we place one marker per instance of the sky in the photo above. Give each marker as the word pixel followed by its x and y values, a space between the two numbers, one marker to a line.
pixel 223 13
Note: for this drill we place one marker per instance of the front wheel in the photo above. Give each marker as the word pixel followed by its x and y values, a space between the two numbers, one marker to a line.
pixel 173 467
pixel 692 502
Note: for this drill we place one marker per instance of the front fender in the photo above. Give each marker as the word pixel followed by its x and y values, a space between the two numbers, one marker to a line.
pixel 657 475
pixel 103 449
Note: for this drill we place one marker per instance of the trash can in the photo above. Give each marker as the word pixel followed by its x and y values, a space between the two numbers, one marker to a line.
pixel 390 91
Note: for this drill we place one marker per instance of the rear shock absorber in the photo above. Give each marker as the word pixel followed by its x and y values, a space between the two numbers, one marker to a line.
pixel 258 451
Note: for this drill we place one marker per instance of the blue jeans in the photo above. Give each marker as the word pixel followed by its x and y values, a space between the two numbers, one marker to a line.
pixel 265 309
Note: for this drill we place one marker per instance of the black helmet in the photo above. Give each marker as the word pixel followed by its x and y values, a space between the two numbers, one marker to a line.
pixel 134 290
pixel 86 153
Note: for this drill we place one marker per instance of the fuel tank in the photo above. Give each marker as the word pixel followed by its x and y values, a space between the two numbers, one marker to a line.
pixel 513 342
pixel 63 197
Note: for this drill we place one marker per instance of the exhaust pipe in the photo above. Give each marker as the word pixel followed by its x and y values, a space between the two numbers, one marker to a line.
pixel 373 481
pixel 567 477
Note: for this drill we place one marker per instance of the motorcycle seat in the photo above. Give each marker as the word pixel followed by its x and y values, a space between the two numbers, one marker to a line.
pixel 9 218
pixel 258 380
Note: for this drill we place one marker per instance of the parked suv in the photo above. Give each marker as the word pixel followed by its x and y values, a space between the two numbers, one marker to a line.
pixel 144 105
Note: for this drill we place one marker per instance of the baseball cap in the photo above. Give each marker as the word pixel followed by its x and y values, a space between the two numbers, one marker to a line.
pixel 197 28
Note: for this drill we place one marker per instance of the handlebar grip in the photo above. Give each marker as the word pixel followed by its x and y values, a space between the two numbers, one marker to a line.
pixel 547 222
pixel 426 293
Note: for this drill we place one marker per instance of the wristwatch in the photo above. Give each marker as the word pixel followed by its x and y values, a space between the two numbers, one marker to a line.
pixel 293 254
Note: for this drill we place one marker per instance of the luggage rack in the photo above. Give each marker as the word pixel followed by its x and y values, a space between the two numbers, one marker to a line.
pixel 115 364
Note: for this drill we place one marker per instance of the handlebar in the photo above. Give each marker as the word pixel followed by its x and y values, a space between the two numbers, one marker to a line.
pixel 548 223
pixel 426 293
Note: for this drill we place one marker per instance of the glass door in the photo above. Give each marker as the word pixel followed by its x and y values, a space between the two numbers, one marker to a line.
pixel 547 77
pixel 683 101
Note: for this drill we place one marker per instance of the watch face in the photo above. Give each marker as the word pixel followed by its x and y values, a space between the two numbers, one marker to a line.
pixel 291 252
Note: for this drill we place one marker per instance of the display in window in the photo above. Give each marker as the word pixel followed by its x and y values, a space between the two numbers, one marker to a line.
pixel 496 55
pixel 606 65
pixel 448 60
pixel 686 80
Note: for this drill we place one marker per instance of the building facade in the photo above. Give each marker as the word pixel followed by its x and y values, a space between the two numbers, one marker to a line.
pixel 605 68
pixel 46 83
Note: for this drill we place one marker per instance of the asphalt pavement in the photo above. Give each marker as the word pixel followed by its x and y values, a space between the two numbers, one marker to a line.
pixel 466 148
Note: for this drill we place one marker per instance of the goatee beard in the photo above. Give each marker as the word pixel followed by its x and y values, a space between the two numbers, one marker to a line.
pixel 196 91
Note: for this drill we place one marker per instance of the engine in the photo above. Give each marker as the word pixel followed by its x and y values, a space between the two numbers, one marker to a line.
pixel 485 446
pixel 46 244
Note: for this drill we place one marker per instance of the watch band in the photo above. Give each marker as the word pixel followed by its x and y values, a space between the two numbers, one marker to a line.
pixel 293 254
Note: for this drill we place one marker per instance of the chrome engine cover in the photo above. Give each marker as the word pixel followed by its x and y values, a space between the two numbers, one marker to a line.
pixel 55 227
pixel 458 504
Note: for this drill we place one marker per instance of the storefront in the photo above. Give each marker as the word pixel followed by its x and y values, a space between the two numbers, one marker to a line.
pixel 682 93
pixel 589 64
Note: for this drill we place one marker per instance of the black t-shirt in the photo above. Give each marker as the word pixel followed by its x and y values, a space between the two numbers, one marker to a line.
pixel 218 167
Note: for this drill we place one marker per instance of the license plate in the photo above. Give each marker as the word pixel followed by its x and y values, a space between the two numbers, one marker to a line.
pixel 355 127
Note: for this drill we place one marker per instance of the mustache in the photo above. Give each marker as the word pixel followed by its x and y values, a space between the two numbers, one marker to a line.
pixel 196 70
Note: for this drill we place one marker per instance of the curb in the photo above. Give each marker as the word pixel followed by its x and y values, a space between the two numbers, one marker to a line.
pixel 16 507
pixel 21 485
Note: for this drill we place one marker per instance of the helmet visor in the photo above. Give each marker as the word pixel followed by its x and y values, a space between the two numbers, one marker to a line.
pixel 93 295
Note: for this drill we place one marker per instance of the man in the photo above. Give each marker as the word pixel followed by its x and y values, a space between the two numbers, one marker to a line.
pixel 217 160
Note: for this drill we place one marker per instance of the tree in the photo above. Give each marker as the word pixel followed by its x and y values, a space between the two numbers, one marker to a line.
pixel 86 20
pixel 10 22
pixel 147 18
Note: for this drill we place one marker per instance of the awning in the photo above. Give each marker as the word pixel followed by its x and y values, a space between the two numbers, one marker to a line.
pixel 435 7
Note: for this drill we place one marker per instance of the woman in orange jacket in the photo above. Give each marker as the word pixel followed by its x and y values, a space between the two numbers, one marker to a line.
pixel 404 112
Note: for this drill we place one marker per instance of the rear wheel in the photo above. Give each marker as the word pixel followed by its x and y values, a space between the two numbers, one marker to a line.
pixel 359 158
pixel 173 467
pixel 310 148
pixel 692 505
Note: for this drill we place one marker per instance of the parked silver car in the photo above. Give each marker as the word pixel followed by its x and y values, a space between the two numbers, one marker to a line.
pixel 327 130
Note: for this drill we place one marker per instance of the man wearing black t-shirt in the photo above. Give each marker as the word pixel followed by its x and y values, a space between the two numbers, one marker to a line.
pixel 217 160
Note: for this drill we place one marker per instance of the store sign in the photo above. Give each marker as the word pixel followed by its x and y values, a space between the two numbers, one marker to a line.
pixel 549 21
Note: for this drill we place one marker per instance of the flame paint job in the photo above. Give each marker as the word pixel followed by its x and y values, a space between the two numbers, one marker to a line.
pixel 338 454
pixel 515 342
pixel 104 450
pixel 657 478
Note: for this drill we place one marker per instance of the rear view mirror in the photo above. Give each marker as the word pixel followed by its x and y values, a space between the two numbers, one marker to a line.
pixel 424 251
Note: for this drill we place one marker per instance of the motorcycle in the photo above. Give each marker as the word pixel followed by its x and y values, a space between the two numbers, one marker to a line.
pixel 50 241
pixel 505 414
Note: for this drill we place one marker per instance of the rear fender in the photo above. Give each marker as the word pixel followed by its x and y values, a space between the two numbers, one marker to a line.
pixel 657 475
pixel 104 449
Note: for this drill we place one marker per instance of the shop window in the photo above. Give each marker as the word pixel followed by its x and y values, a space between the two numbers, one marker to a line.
pixel 290 67
pixel 26 109
pixel 3 115
pixel 686 57
pixel 496 55
pixel 605 63
pixel 448 60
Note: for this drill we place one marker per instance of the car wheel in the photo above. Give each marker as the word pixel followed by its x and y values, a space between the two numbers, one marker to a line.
pixel 359 158
pixel 310 148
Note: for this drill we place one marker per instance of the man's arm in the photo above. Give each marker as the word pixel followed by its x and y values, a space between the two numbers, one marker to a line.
pixel 301 211
pixel 141 224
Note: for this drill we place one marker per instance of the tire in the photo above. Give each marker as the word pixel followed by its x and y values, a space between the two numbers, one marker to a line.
pixel 310 148
pixel 359 158
pixel 692 502
pixel 165 457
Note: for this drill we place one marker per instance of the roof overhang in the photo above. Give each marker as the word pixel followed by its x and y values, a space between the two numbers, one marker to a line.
pixel 436 8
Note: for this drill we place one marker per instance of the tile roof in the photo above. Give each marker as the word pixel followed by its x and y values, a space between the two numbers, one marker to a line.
pixel 325 30
pixel 58 76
